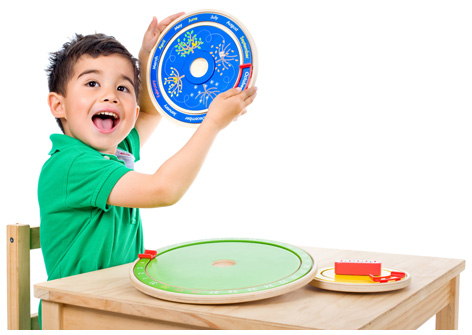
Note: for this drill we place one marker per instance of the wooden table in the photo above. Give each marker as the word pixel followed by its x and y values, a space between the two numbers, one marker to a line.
pixel 106 299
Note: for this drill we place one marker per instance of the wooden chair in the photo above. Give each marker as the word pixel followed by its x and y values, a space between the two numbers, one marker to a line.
pixel 20 240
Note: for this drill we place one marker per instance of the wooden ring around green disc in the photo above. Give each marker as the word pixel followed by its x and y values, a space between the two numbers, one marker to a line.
pixel 223 271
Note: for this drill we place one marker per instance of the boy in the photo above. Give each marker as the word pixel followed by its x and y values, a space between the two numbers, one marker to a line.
pixel 88 193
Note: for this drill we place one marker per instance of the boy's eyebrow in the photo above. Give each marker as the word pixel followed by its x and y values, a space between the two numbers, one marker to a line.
pixel 99 72
pixel 87 72
pixel 128 79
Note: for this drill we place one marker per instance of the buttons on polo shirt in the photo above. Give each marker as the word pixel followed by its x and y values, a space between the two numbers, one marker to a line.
pixel 113 158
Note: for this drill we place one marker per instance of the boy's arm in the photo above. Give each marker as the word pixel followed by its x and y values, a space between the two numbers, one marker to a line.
pixel 170 182
pixel 149 117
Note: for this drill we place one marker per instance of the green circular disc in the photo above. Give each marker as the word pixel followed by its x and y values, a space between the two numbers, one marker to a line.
pixel 220 267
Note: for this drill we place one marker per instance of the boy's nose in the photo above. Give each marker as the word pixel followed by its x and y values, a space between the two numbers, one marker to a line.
pixel 109 95
pixel 110 100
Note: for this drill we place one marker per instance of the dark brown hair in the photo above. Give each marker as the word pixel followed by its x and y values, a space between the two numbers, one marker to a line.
pixel 61 63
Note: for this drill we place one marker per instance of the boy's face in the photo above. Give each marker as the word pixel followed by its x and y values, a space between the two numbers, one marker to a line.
pixel 100 106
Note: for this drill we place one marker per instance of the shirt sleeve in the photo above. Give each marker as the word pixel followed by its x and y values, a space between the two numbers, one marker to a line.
pixel 90 180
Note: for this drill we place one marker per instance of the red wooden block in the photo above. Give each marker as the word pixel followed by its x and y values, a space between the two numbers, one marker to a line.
pixel 357 267
pixel 148 254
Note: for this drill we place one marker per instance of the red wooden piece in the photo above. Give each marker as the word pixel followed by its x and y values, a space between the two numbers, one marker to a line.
pixel 148 254
pixel 357 267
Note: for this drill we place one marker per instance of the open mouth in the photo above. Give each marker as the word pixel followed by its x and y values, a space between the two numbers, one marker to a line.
pixel 105 121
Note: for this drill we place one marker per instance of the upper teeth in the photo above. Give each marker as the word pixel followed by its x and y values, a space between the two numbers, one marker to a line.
pixel 109 114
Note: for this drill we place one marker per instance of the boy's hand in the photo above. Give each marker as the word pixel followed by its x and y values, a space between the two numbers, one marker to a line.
pixel 229 105
pixel 149 117
pixel 152 34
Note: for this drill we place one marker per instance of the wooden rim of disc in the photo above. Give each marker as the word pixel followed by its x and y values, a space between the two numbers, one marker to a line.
pixel 280 268
pixel 326 279
pixel 166 107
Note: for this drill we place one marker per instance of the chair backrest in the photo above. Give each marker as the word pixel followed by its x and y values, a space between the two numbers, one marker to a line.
pixel 20 240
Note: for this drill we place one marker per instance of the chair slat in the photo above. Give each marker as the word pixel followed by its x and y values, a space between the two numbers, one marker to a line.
pixel 18 274
pixel 34 238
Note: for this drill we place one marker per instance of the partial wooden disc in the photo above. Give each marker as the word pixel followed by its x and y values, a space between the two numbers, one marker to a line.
pixel 326 279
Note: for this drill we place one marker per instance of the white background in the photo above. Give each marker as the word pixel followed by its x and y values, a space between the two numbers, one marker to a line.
pixel 360 137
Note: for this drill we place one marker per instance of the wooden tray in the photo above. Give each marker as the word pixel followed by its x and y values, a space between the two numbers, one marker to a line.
pixel 326 279
pixel 223 271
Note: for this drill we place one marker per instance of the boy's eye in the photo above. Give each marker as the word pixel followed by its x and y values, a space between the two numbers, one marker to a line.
pixel 92 84
pixel 123 89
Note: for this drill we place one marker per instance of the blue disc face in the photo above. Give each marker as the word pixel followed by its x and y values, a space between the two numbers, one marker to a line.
pixel 198 58
pixel 198 65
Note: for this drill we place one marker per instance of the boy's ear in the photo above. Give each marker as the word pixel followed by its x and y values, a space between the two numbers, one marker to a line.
pixel 56 105
pixel 137 111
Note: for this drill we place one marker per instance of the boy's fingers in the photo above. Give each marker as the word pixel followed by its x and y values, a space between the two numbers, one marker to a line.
pixel 249 95
pixel 164 23
pixel 153 31
pixel 237 90
pixel 231 92
pixel 250 92
pixel 150 36
pixel 152 25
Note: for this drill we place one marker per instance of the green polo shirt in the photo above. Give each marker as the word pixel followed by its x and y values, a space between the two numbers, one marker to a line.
pixel 79 232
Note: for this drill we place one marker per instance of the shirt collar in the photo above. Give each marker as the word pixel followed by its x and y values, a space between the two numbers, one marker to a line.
pixel 61 142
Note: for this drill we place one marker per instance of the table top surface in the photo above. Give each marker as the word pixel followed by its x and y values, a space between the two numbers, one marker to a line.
pixel 306 308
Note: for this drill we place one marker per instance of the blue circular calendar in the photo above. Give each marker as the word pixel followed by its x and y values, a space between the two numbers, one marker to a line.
pixel 197 57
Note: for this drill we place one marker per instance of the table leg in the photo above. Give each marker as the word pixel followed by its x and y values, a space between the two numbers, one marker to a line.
pixel 448 317
pixel 51 315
